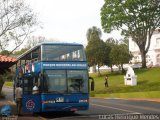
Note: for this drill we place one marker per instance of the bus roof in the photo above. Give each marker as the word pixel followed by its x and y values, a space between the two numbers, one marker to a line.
pixel 47 43
pixel 60 43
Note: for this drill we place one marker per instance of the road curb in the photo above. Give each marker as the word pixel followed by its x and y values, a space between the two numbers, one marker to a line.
pixel 143 99
pixel 134 99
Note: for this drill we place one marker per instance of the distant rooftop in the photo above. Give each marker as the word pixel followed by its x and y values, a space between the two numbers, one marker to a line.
pixel 5 63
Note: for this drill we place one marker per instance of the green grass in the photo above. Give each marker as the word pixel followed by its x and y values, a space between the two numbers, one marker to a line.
pixel 148 85
pixel 8 84
pixel 149 94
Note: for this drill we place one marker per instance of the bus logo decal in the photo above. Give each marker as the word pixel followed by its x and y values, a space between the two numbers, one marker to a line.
pixel 30 105
pixel 60 99
pixel 57 65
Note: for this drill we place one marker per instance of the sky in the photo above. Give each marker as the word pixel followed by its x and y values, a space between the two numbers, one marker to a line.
pixel 68 20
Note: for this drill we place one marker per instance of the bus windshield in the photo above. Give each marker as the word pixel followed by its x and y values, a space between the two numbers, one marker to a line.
pixel 68 53
pixel 66 81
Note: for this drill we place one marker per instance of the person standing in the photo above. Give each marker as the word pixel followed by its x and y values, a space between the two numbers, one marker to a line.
pixel 18 93
pixel 106 81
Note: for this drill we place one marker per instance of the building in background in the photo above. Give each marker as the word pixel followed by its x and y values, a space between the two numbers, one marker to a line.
pixel 153 55
pixel 5 63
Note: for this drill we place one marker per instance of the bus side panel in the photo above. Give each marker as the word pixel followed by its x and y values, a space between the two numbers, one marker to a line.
pixel 31 103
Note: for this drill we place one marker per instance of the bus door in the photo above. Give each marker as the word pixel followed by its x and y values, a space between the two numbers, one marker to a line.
pixel 31 100
pixel 15 81
pixel 14 88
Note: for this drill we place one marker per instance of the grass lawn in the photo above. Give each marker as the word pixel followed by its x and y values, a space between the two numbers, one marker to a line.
pixel 148 85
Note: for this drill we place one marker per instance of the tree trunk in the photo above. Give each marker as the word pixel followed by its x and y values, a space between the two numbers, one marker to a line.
pixel 99 74
pixel 1 83
pixel 123 71
pixel 143 57
pixel 119 67
pixel 111 68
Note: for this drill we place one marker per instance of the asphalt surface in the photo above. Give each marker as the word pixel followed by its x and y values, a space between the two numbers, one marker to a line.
pixel 8 92
pixel 108 109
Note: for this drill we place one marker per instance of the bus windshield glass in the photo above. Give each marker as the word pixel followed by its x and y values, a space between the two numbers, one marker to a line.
pixel 66 81
pixel 68 53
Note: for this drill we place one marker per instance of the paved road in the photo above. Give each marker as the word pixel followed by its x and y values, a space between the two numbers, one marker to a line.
pixel 108 109
pixel 114 109
pixel 8 92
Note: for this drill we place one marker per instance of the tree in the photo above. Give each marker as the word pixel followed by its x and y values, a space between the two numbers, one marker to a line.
pixel 119 55
pixel 23 50
pixel 93 35
pixel 17 21
pixel 32 41
pixel 137 19
pixel 125 41
pixel 1 83
pixel 110 42
pixel 5 52
pixel 96 48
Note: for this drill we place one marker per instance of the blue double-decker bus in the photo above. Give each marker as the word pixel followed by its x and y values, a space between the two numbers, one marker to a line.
pixel 60 73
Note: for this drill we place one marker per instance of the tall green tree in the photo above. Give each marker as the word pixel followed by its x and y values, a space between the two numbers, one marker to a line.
pixel 5 52
pixel 120 55
pixel 96 48
pixel 136 18
pixel 23 50
pixel 110 43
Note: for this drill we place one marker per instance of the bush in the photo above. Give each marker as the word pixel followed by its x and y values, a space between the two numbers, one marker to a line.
pixel 8 76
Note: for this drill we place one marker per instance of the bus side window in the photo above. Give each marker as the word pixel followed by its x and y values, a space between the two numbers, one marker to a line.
pixel 37 82
pixel 36 54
